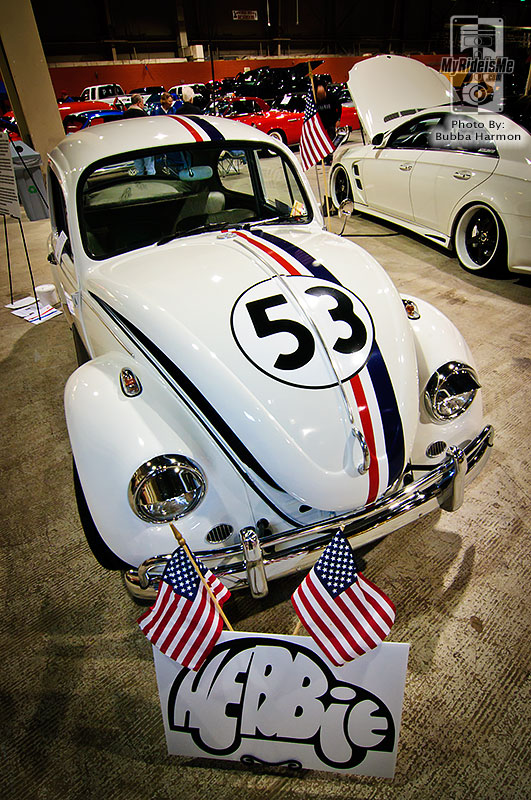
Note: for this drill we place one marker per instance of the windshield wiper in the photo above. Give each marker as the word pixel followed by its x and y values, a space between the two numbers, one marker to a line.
pixel 208 226
pixel 276 221
pixel 232 226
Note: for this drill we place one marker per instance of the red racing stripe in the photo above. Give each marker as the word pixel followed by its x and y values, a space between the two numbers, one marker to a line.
pixel 368 433
pixel 359 394
pixel 197 136
pixel 261 246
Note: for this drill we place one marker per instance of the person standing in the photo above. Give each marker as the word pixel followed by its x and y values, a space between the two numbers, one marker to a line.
pixel 167 105
pixel 146 165
pixel 136 109
pixel 328 108
pixel 188 106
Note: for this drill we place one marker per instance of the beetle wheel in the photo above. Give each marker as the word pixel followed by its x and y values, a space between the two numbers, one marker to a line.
pixel 480 241
pixel 340 186
pixel 101 552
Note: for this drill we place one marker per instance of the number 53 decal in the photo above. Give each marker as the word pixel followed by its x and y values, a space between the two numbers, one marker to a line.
pixel 303 331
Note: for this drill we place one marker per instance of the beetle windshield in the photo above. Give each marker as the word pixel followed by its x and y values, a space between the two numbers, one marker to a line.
pixel 156 196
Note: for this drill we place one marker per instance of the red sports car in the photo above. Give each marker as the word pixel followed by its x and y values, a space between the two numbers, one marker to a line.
pixel 283 123
pixel 71 109
pixel 296 102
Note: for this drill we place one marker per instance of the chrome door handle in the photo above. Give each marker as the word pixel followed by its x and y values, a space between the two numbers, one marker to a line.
pixel 365 464
pixel 462 176
pixel 406 167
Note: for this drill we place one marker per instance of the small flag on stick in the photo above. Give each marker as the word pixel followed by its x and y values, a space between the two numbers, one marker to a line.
pixel 345 613
pixel 315 143
pixel 186 620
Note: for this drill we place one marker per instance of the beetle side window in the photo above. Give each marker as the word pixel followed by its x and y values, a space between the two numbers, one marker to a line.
pixel 58 213
pixel 280 187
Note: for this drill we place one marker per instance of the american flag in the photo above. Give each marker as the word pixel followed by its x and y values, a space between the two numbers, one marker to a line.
pixel 345 613
pixel 315 142
pixel 184 623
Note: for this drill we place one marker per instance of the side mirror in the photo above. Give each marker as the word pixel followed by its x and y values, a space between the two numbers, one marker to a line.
pixel 377 140
pixel 346 207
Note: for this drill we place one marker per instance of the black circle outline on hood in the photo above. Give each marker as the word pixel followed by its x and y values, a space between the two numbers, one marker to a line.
pixel 336 286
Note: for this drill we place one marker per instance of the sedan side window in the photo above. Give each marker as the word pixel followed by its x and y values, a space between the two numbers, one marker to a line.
pixel 416 134
pixel 465 134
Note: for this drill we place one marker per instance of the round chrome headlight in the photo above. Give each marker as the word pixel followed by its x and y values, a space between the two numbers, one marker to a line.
pixel 165 488
pixel 451 390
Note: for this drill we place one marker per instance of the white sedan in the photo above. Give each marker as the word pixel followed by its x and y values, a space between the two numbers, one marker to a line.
pixel 461 179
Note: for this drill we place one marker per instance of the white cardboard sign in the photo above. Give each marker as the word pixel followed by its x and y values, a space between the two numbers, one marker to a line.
pixel 9 204
pixel 277 700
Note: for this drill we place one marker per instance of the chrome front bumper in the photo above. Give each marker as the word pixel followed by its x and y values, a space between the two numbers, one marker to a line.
pixel 259 559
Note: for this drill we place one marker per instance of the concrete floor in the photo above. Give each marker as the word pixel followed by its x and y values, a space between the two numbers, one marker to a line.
pixel 79 715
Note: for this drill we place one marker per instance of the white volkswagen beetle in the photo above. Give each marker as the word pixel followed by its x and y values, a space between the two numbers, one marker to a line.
pixel 461 179
pixel 242 372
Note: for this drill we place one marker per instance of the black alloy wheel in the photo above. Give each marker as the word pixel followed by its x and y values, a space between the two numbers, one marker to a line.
pixel 480 241
pixel 341 188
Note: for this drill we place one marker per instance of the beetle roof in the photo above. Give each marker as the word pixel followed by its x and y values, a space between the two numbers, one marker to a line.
pixel 79 150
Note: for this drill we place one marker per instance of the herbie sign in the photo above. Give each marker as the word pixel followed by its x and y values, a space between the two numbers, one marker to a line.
pixel 277 700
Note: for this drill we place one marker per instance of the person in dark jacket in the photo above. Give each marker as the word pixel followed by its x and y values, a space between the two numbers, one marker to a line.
pixel 136 109
pixel 188 106
pixel 143 166
pixel 328 108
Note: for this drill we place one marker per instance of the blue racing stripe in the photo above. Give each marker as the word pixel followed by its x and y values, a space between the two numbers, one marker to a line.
pixel 208 128
pixel 391 421
pixel 304 258
pixel 381 381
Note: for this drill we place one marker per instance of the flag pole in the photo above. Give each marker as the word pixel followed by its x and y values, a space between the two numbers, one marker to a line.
pixel 327 216
pixel 180 539
pixel 326 197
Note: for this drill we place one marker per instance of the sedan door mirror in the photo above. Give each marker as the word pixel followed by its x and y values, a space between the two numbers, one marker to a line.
pixel 377 140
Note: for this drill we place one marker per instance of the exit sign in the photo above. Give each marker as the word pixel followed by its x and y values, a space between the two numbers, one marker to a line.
pixel 251 16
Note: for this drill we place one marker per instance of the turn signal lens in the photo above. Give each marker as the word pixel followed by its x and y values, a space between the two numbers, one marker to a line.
pixel 411 309
pixel 130 384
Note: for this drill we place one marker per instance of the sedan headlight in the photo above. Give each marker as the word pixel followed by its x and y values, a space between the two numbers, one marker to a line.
pixel 165 488
pixel 451 390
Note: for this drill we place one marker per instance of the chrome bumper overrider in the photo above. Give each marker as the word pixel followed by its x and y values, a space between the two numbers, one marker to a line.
pixel 257 560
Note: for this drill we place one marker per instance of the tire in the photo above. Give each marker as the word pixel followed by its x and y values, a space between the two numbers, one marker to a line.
pixel 101 552
pixel 340 186
pixel 280 136
pixel 480 241
pixel 81 351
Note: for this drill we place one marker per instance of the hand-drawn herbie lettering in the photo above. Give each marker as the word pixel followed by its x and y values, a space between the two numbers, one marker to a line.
pixel 269 689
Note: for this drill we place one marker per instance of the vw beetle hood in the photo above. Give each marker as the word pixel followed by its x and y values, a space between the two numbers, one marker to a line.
pixel 387 88
pixel 297 345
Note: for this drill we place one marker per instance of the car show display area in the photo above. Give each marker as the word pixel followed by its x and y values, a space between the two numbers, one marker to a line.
pixel 265 527
pixel 81 708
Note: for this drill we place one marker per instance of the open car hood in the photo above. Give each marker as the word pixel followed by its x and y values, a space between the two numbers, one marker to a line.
pixel 387 88
pixel 258 328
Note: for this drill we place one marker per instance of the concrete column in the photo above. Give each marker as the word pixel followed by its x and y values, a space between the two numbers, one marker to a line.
pixel 27 79
pixel 182 47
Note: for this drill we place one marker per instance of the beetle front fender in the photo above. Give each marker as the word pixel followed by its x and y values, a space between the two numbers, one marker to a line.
pixel 438 341
pixel 112 435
